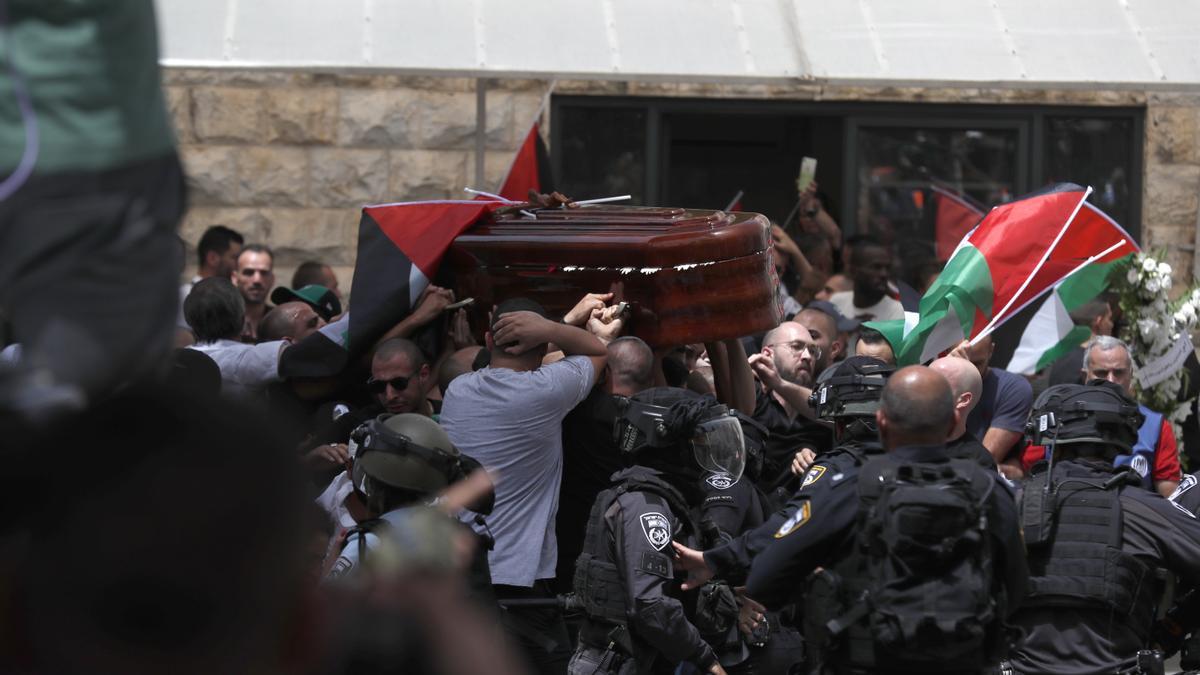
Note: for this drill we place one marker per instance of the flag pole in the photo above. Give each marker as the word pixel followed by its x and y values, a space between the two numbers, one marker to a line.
pixel 736 198
pixel 991 326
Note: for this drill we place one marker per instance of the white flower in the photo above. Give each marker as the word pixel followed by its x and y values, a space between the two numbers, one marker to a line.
pixel 1147 327
pixel 1149 265
pixel 1152 286
pixel 1164 269
pixel 1132 275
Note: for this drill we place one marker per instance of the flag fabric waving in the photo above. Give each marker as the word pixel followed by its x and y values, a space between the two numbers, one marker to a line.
pixel 530 169
pixel 954 217
pixel 399 249
pixel 1018 252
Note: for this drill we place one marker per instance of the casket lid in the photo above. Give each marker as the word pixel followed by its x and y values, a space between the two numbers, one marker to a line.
pixel 616 236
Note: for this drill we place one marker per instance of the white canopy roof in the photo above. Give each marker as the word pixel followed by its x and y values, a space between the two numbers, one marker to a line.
pixel 1110 43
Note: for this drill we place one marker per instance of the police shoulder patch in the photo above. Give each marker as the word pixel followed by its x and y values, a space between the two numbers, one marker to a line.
pixel 814 474
pixel 719 480
pixel 340 568
pixel 657 529
pixel 800 517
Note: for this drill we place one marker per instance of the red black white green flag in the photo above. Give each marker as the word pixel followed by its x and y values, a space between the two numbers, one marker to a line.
pixel 1052 239
pixel 530 169
pixel 400 247
pixel 954 216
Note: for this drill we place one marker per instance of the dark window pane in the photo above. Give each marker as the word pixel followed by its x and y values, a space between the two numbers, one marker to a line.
pixel 1096 152
pixel 603 152
pixel 898 169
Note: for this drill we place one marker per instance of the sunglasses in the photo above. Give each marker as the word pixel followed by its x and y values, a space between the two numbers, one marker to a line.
pixel 380 386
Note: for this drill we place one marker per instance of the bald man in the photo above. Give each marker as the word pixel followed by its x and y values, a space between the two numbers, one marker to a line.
pixel 998 421
pixel 966 386
pixel 292 321
pixel 917 412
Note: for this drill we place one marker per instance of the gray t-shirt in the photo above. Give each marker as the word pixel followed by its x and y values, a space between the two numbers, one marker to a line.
pixel 511 421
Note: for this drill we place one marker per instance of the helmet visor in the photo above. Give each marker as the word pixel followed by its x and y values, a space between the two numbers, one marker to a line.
pixel 718 446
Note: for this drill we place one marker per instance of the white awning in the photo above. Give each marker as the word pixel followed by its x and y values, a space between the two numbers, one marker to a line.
pixel 1108 43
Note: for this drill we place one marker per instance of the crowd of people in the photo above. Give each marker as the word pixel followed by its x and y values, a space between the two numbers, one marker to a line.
pixel 571 499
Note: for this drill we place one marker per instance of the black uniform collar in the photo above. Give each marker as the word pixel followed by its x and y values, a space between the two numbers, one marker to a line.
pixel 920 453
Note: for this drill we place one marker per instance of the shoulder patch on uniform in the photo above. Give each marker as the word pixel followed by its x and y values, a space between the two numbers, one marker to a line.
pixel 814 474
pixel 657 564
pixel 1183 509
pixel 721 481
pixel 657 529
pixel 797 519
pixel 1186 483
pixel 340 568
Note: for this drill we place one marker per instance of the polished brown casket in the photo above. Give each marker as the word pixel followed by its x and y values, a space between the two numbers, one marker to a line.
pixel 688 275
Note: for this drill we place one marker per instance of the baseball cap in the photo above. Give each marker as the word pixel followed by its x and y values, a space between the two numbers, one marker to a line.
pixel 844 325
pixel 321 299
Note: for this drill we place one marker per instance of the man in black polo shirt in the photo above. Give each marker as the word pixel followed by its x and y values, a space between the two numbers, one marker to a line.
pixel 784 369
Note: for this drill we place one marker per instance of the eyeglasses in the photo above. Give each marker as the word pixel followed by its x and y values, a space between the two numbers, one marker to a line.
pixel 380 386
pixel 798 347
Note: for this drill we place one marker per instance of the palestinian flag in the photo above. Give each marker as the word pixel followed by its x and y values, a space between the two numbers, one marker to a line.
pixel 399 249
pixel 1017 253
pixel 530 169
pixel 954 216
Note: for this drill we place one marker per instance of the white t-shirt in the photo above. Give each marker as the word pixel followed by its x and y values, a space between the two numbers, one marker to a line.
pixel 333 500
pixel 511 422
pixel 886 309
pixel 244 368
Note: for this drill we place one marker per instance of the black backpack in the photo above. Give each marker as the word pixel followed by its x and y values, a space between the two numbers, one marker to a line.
pixel 916 589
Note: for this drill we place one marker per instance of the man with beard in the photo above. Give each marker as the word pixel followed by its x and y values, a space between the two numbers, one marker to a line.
pixel 871 264
pixel 254 276
pixel 784 368
pixel 823 328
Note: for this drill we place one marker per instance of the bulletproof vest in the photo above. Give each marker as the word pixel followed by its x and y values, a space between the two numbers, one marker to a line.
pixel 598 584
pixel 1075 555
pixel 1141 458
pixel 914 590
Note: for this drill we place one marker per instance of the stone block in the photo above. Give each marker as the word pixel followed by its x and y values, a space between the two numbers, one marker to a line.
pixel 273 176
pixel 305 234
pixel 1172 195
pixel 1171 134
pixel 250 223
pixel 375 118
pixel 179 109
pixel 211 172
pixel 446 121
pixel 342 177
pixel 428 174
pixel 227 115
pixel 301 116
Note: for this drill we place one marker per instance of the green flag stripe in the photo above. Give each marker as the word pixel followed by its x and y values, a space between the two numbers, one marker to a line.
pixel 1073 339
pixel 1084 285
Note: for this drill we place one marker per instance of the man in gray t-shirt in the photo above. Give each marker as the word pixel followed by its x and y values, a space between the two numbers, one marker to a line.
pixel 509 417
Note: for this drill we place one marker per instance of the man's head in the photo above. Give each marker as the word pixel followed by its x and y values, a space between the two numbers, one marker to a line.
pixel 823 329
pixel 834 284
pixel 1108 358
pixel 290 321
pixel 872 265
pixel 917 408
pixel 215 310
pixel 312 272
pixel 255 273
pixel 849 396
pixel 218 252
pixel 965 385
pixel 793 351
pixel 515 305
pixel 1097 315
pixel 980 354
pixel 630 366
pixel 399 376
pixel 873 343
pixel 1097 421
pixel 458 363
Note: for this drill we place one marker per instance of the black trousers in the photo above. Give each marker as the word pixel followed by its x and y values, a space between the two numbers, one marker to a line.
pixel 89 272
pixel 540 632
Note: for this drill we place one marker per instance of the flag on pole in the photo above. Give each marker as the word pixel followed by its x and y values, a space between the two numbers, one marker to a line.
pixel 400 247
pixel 530 169
pixel 1018 252
pixel 735 204
pixel 954 216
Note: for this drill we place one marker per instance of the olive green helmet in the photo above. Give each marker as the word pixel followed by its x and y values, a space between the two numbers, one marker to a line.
pixel 408 452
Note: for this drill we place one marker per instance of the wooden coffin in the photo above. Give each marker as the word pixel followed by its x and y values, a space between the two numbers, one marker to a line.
pixel 688 275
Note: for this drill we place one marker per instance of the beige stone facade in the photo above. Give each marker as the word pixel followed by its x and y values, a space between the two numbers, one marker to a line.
pixel 288 158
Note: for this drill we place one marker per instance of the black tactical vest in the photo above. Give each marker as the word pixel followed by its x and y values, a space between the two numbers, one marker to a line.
pixel 1075 555
pixel 598 584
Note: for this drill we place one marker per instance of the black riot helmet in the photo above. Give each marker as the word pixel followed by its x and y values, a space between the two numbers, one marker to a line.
pixel 1098 416
pixel 850 392
pixel 401 459
pixel 664 421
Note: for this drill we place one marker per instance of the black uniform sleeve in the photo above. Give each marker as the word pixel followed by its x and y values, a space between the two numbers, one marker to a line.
pixel 1160 529
pixel 1188 494
pixel 642 531
pixel 825 512
pixel 1008 549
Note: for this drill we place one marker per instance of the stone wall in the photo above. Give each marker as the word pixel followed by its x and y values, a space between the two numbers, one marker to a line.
pixel 289 157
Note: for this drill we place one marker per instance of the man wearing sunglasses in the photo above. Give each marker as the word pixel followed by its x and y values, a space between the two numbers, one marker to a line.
pixel 400 378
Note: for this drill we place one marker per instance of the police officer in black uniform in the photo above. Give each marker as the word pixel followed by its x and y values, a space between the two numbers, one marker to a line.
pixel 624 579
pixel 1094 544
pixel 912 546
